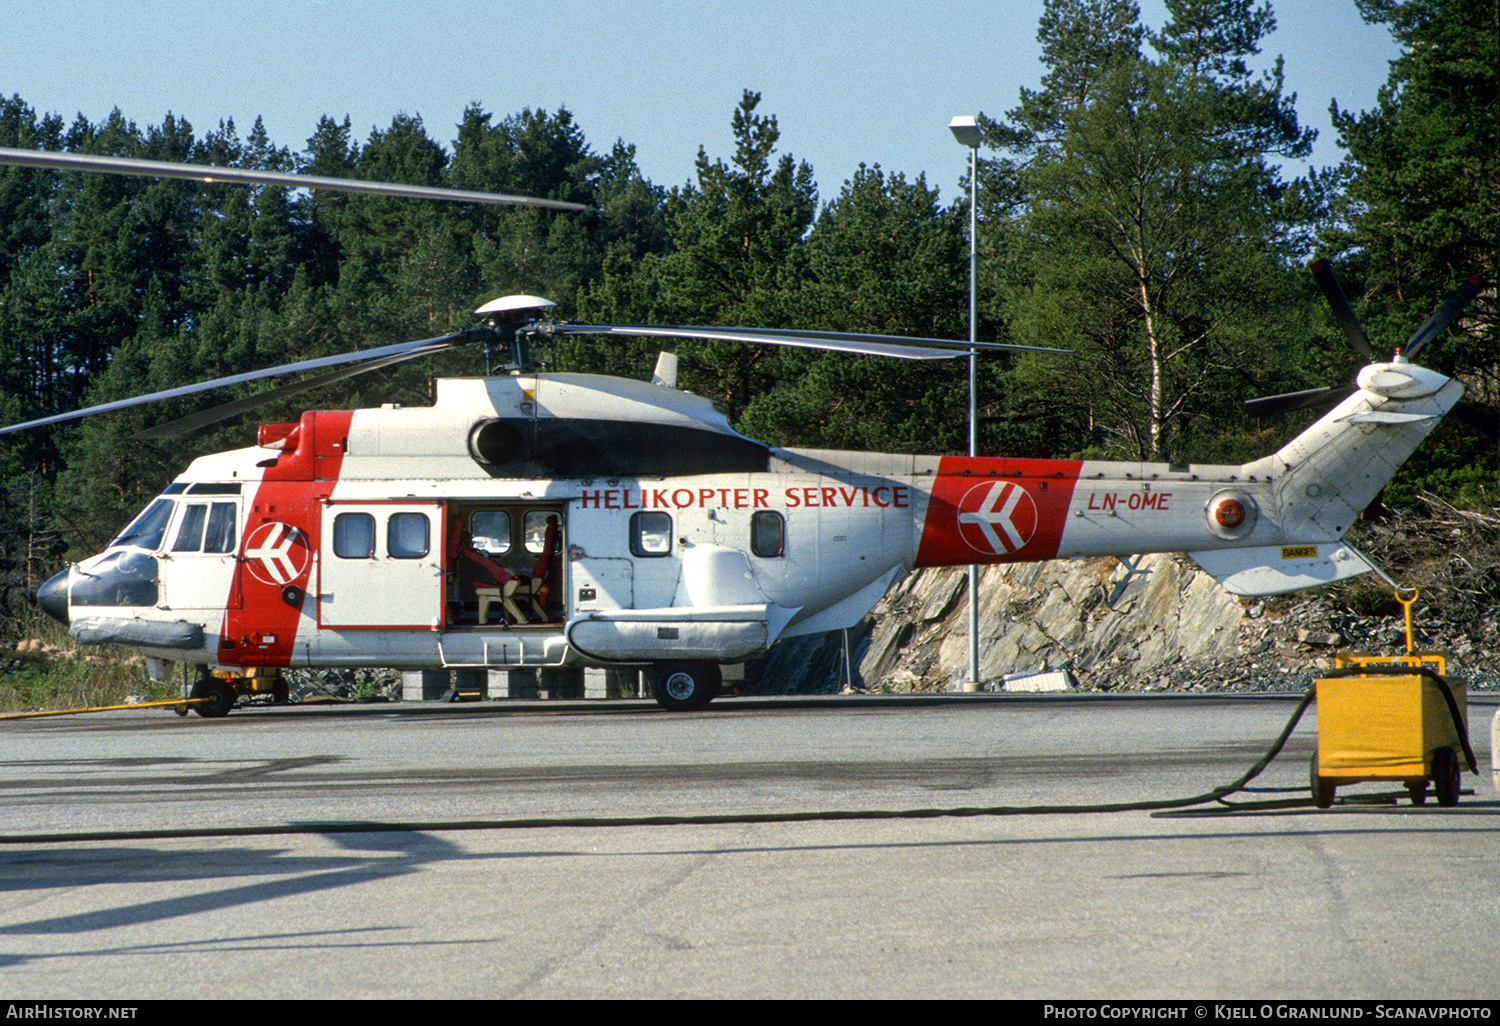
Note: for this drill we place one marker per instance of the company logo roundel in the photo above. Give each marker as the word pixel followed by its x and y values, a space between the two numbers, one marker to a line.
pixel 276 553
pixel 996 517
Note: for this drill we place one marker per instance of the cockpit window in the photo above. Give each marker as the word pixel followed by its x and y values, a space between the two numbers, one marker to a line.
pixel 118 579
pixel 190 533
pixel 220 518
pixel 223 519
pixel 146 530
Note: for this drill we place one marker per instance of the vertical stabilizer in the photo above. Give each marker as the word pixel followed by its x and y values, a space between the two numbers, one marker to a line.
pixel 1327 475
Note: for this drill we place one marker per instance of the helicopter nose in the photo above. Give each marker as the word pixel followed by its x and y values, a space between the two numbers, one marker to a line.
pixel 53 597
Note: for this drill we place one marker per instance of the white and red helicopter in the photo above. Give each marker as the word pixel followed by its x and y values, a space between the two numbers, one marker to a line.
pixel 638 529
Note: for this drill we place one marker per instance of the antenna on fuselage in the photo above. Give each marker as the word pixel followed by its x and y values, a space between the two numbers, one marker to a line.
pixel 666 370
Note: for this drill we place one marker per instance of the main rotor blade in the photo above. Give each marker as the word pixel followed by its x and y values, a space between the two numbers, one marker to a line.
pixel 1443 316
pixel 243 176
pixel 214 414
pixel 420 347
pixel 1342 311
pixel 844 342
pixel 935 343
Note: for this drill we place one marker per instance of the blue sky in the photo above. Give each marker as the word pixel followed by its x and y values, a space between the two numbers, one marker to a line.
pixel 849 82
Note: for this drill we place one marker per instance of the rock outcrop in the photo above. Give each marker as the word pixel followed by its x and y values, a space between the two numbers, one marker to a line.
pixel 1158 622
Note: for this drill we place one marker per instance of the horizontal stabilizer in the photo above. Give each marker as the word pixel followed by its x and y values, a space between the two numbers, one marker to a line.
pixel 1390 417
pixel 1274 569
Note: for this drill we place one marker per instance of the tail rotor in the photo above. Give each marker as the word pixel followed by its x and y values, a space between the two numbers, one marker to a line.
pixel 1313 398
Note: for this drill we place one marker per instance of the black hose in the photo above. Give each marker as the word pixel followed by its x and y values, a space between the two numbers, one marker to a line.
pixel 1218 794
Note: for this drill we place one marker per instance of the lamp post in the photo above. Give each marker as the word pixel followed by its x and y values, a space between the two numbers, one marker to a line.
pixel 965 129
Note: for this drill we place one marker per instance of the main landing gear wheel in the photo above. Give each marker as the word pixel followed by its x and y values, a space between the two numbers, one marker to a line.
pixel 684 687
pixel 1446 776
pixel 220 694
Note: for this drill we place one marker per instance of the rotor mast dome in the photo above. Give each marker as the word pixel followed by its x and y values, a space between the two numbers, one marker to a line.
pixel 505 316
pixel 513 304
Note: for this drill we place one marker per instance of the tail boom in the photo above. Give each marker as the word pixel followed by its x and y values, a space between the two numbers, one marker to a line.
pixel 1264 527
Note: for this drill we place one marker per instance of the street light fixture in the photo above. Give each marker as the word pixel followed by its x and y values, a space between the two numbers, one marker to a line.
pixel 965 129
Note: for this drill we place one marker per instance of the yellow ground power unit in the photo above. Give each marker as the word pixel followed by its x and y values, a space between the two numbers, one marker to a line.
pixel 1394 718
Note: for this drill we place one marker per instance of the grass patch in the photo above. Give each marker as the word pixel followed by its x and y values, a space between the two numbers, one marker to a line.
pixel 43 680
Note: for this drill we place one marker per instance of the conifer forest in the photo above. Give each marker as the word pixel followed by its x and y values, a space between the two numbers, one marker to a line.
pixel 1135 208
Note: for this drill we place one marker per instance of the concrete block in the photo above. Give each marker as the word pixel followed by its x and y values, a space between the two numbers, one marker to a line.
pixel 1041 680
pixel 424 685
pixel 1495 750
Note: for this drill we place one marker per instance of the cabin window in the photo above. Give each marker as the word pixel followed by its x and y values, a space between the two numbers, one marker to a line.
pixel 651 534
pixel 767 533
pixel 408 536
pixel 490 529
pixel 354 536
pixel 534 528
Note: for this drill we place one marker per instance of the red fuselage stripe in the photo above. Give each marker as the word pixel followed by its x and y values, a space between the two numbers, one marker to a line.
pixel 996 511
pixel 280 543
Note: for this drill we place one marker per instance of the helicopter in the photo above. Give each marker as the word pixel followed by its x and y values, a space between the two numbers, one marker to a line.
pixel 542 520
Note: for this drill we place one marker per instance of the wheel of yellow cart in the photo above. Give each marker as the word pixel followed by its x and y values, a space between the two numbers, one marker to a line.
pixel 1322 788
pixel 1418 792
pixel 1446 776
pixel 220 693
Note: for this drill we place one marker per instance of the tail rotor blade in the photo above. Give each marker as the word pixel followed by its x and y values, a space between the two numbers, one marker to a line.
pixel 1443 316
pixel 1287 402
pixel 1446 313
pixel 1342 311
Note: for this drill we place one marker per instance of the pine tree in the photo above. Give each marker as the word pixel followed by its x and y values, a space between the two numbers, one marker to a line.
pixel 1154 232
pixel 1422 180
pixel 883 258
pixel 523 249
pixel 736 257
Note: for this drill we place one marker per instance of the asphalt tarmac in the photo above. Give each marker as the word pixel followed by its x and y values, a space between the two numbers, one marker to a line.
pixel 950 846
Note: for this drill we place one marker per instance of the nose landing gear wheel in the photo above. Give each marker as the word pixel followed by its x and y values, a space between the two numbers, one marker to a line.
pixel 221 695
